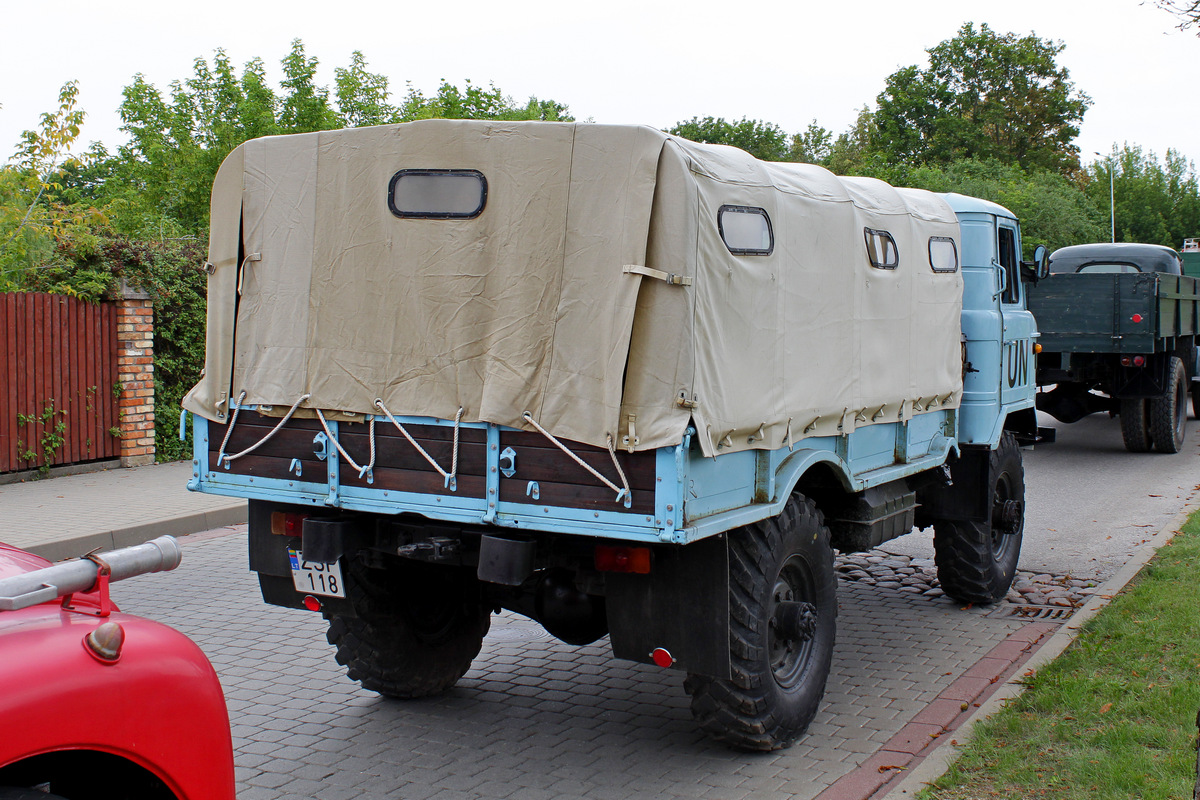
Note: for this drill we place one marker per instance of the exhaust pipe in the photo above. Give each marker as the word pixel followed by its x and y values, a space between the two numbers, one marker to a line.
pixel 79 574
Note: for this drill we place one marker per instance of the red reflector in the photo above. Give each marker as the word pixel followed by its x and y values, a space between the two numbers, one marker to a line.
pixel 662 657
pixel 285 524
pixel 1136 317
pixel 312 603
pixel 623 559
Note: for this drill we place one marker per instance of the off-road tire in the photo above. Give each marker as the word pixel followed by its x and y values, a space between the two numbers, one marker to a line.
pixel 777 682
pixel 1135 425
pixel 1168 413
pixel 976 561
pixel 418 628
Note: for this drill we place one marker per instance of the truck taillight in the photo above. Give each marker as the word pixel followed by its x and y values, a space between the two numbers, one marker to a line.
pixel 285 524
pixel 623 559
pixel 1133 361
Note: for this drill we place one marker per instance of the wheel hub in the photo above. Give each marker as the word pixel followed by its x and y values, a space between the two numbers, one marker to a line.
pixel 794 621
pixel 1007 516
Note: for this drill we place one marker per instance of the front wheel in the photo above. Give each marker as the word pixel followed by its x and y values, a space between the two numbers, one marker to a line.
pixel 418 629
pixel 783 622
pixel 977 560
pixel 1168 413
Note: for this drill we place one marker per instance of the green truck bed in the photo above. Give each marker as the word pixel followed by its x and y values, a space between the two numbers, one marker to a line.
pixel 1114 312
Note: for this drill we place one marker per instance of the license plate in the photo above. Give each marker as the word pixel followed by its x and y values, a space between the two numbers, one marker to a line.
pixel 313 577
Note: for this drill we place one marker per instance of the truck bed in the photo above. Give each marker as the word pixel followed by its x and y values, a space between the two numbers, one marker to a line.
pixel 1114 312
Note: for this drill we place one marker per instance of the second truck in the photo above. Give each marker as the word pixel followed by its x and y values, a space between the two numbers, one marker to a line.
pixel 612 380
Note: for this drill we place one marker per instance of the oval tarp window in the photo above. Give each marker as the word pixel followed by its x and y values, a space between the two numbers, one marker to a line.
pixel 881 249
pixel 943 254
pixel 746 230
pixel 437 193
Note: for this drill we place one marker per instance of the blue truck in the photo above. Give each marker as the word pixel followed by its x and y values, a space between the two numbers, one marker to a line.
pixel 620 383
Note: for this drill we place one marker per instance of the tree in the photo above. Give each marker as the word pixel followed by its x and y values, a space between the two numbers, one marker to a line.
pixel 1052 208
pixel 1188 12
pixel 763 140
pixel 474 102
pixel 984 95
pixel 41 229
pixel 1156 203
pixel 814 146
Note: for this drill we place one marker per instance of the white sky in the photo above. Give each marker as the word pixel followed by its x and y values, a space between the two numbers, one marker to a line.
pixel 621 61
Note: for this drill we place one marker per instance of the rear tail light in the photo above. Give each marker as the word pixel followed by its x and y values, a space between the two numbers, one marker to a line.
pixel 623 559
pixel 1133 361
pixel 286 524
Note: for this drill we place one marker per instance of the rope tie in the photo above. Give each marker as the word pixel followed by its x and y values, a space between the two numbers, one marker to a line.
pixel 362 470
pixel 450 478
pixel 222 458
pixel 622 494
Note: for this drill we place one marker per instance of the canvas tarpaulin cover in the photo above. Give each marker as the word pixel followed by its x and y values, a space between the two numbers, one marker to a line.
pixel 552 299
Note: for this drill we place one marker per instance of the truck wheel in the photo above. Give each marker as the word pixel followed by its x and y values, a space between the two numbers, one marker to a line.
pixel 976 561
pixel 417 630
pixel 783 622
pixel 1168 414
pixel 1135 425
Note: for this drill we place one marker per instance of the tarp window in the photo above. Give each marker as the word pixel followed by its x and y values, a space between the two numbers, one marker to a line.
pixel 746 230
pixel 943 254
pixel 437 193
pixel 881 249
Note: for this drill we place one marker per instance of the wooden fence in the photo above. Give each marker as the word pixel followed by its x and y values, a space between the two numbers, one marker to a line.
pixel 58 401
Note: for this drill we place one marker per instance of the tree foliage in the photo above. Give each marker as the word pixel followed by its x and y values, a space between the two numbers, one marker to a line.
pixel 984 95
pixel 763 140
pixel 163 176
pixel 1156 202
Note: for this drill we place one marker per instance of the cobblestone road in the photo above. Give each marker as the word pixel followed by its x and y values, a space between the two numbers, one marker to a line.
pixel 535 718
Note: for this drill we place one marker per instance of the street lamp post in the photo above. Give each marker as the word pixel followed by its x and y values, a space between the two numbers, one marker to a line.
pixel 1112 205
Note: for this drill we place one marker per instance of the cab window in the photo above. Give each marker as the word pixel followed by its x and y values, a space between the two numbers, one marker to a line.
pixel 1009 263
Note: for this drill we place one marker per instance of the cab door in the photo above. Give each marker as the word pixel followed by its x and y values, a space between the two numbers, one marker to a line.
pixel 1019 328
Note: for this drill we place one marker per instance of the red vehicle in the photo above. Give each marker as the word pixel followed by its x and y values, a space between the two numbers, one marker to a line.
pixel 96 704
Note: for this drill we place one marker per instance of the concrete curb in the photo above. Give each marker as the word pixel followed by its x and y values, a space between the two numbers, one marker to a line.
pixel 180 525
pixel 947 751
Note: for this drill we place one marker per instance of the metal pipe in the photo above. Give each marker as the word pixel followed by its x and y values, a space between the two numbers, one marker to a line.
pixel 79 575
pixel 1112 199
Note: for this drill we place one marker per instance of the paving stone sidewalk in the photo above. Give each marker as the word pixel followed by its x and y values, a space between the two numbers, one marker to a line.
pixel 70 515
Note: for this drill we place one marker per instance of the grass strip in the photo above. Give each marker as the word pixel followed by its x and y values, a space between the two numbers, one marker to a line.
pixel 1115 715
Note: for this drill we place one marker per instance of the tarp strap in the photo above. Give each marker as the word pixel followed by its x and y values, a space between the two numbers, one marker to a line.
pixel 222 458
pixel 669 277
pixel 449 478
pixel 622 494
pixel 242 269
pixel 363 471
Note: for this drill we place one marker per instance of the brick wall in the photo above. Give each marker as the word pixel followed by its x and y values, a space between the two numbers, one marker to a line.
pixel 135 371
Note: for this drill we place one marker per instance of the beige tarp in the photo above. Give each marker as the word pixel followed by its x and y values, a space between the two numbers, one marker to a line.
pixel 531 306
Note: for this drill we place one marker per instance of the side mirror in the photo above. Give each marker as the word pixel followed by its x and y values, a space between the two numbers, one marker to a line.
pixel 1041 258
pixel 1039 268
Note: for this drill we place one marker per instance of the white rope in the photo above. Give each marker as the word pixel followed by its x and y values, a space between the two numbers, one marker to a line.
pixel 221 457
pixel 450 478
pixel 621 493
pixel 362 470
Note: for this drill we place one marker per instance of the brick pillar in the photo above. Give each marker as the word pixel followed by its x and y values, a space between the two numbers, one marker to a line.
pixel 135 371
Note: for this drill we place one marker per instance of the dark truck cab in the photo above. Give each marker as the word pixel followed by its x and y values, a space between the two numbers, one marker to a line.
pixel 1118 327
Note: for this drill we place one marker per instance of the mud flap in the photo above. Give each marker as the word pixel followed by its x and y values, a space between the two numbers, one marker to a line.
pixel 682 606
